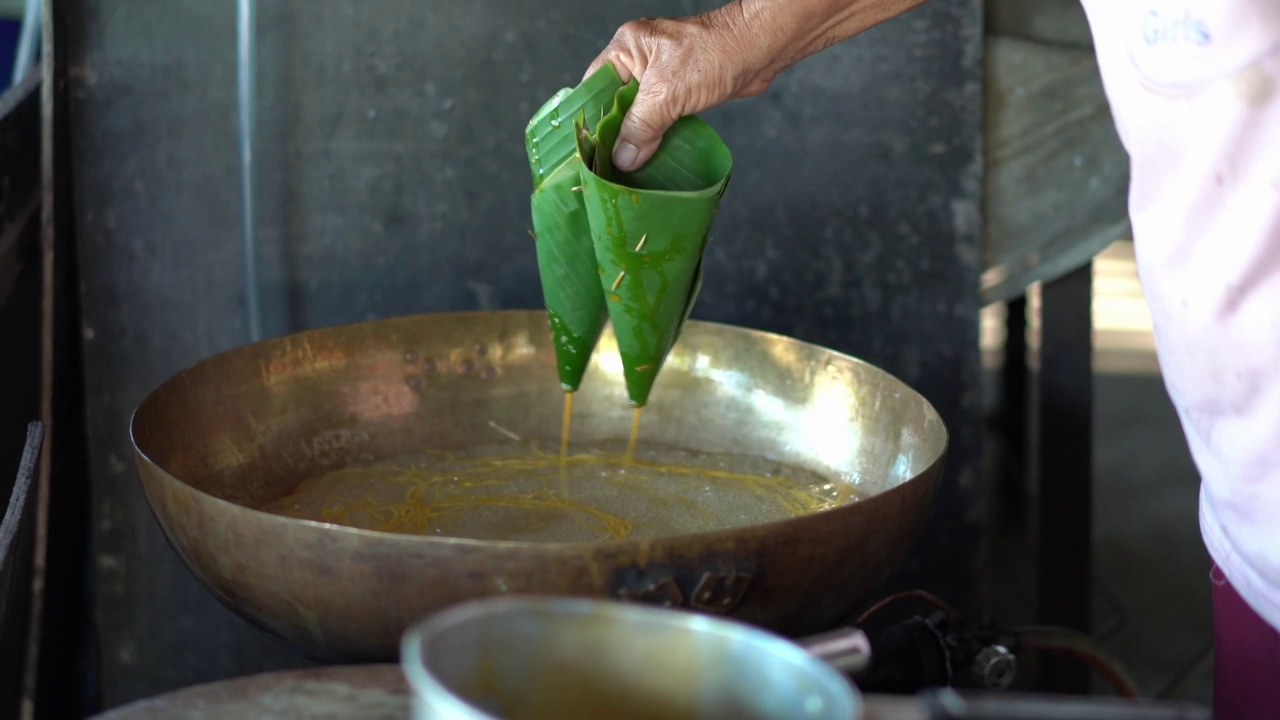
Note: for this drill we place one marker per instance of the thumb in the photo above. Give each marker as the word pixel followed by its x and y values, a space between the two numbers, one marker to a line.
pixel 651 115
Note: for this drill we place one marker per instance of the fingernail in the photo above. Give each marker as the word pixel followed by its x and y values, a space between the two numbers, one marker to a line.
pixel 624 156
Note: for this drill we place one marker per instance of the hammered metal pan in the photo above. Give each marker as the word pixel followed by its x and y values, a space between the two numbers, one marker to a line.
pixel 239 429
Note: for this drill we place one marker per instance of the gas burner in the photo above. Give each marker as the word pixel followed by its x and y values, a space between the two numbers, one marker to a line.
pixel 937 647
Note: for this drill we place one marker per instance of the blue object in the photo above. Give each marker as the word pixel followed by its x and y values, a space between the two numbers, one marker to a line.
pixel 8 49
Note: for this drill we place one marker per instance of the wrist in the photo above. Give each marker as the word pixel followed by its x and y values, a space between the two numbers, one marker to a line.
pixel 753 29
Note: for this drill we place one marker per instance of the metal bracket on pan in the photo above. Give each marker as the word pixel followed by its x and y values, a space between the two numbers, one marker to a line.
pixel 664 592
pixel 716 592
pixel 719 592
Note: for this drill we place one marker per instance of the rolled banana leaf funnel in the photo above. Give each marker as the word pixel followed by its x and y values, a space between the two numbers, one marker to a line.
pixel 650 228
pixel 566 256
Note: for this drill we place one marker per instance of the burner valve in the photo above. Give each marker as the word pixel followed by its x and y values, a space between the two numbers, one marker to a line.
pixel 994 667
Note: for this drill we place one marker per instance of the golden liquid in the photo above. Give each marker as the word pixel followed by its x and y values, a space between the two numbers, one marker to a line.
pixel 503 493
pixel 564 440
pixel 564 426
pixel 635 435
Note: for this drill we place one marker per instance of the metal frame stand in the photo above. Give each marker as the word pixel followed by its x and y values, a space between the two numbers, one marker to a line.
pixel 1057 455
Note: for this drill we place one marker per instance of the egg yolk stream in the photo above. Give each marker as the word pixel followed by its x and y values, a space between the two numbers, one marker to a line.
pixel 564 440
pixel 564 427
pixel 504 492
pixel 635 435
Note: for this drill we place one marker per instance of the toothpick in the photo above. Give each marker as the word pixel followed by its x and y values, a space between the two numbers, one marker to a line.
pixel 504 431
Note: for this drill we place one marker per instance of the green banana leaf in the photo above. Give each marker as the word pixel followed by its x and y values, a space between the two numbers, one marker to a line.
pixel 650 229
pixel 566 257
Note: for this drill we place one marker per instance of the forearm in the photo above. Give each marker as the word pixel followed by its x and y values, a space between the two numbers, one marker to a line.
pixel 792 30
pixel 689 64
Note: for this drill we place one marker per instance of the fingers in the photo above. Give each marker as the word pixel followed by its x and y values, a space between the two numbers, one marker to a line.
pixel 685 66
pixel 650 116
pixel 622 62
pixel 624 72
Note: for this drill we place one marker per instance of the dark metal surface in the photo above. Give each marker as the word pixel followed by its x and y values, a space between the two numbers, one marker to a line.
pixel 15 520
pixel 20 292
pixel 368 692
pixel 17 530
pixel 1014 418
pixel 391 180
pixel 947 704
pixel 19 180
pixel 65 657
pixel 380 692
pixel 1064 555
pixel 244 427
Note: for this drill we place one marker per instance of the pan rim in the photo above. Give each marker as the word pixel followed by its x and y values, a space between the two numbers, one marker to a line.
pixel 514 312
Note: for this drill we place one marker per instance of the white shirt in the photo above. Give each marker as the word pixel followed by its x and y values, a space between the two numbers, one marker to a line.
pixel 1194 86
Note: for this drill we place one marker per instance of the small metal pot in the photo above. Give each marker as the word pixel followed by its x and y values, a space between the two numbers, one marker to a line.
pixel 529 658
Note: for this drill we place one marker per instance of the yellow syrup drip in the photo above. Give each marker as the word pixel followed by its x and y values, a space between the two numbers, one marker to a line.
pixel 564 425
pixel 564 441
pixel 635 435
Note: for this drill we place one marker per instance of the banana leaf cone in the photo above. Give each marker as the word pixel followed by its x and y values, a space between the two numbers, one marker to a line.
pixel 566 257
pixel 650 228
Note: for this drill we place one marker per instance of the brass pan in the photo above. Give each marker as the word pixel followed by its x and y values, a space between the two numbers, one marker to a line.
pixel 244 427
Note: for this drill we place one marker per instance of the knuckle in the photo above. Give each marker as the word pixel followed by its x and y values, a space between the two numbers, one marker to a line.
pixel 665 27
pixel 633 30
pixel 658 95
pixel 655 116
pixel 668 85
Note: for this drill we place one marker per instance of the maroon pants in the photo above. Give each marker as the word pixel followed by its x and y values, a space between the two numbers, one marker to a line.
pixel 1246 658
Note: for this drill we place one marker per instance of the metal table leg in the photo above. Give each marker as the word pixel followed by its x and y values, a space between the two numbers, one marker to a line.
pixel 1012 468
pixel 1065 467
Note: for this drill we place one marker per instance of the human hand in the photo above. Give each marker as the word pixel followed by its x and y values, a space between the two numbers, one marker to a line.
pixel 685 66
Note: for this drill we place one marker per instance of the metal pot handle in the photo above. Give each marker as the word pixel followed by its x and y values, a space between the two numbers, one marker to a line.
pixel 847 649
pixel 948 704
